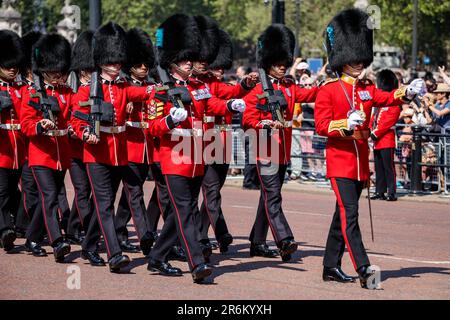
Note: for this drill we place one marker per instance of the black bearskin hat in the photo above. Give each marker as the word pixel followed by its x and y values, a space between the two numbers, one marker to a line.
pixel 82 52
pixel 29 40
pixel 224 58
pixel 349 39
pixel 387 80
pixel 13 52
pixel 177 39
pixel 209 43
pixel 51 53
pixel 140 49
pixel 109 45
pixel 276 44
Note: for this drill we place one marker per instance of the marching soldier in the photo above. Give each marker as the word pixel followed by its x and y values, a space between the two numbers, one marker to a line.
pixel 342 112
pixel 140 146
pixel 382 125
pixel 216 50
pixel 178 45
pixel 12 146
pixel 105 150
pixel 44 120
pixel 82 65
pixel 274 132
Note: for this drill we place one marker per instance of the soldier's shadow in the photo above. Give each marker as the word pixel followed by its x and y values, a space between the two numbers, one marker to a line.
pixel 413 272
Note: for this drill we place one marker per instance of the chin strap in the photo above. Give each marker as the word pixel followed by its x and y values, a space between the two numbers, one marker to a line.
pixel 181 71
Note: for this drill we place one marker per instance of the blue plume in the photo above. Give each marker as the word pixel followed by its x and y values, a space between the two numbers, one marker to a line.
pixel 159 37
pixel 330 33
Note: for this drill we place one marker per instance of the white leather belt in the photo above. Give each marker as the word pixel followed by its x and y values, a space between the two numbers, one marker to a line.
pixel 135 124
pixel 10 126
pixel 118 129
pixel 56 133
pixel 223 127
pixel 187 132
pixel 207 119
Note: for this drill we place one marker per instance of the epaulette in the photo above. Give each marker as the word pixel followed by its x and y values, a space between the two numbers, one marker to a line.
pixel 330 81
pixel 367 82
pixel 20 83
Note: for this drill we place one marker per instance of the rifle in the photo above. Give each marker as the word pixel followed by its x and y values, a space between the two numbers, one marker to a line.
pixel 101 111
pixel 178 96
pixel 276 102
pixel 49 106
pixel 5 100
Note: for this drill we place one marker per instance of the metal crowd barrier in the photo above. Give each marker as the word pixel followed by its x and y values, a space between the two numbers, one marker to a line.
pixel 422 165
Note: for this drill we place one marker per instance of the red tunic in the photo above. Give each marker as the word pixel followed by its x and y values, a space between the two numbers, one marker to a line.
pixel 48 151
pixel 280 139
pixel 139 140
pixel 221 125
pixel 12 141
pixel 383 127
pixel 112 148
pixel 348 157
pixel 181 148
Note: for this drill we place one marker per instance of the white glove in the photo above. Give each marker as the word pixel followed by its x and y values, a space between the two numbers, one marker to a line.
pixel 238 105
pixel 354 119
pixel 416 87
pixel 178 114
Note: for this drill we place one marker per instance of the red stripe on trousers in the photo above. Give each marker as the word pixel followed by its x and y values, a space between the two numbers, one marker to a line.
pixel 43 206
pixel 343 216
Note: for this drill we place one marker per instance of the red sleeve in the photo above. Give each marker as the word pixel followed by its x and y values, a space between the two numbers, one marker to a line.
pixel 217 107
pixel 138 94
pixel 382 98
pixel 29 116
pixel 303 95
pixel 387 118
pixel 79 125
pixel 252 116
pixel 225 91
pixel 325 123
pixel 160 125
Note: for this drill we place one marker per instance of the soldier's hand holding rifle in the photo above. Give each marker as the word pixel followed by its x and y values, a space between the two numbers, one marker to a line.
pixel 47 124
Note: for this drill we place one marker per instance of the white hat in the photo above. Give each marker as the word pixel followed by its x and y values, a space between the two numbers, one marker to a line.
pixel 302 66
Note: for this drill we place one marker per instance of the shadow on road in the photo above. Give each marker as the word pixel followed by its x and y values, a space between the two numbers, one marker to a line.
pixel 413 272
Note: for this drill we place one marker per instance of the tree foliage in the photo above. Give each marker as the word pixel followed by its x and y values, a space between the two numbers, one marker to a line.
pixel 245 20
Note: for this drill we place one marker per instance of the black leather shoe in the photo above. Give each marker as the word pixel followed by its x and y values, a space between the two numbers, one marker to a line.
pixel 201 272
pixel 164 268
pixel 118 261
pixel 214 245
pixel 378 196
pixel 20 233
pixel 146 243
pixel 224 242
pixel 336 274
pixel 177 253
pixel 363 275
pixel 76 239
pixel 287 248
pixel 35 249
pixel 207 252
pixel 7 239
pixel 94 258
pixel 61 250
pixel 391 197
pixel 126 246
pixel 262 250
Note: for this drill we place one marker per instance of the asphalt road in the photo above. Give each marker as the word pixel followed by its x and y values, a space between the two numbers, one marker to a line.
pixel 411 247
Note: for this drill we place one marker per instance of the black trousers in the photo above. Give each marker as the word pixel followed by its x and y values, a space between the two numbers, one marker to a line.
pixel 104 181
pixel 159 203
pixel 83 205
pixel 180 221
pixel 9 180
pixel 131 204
pixel 49 183
pixel 344 230
pixel 35 230
pixel 251 179
pixel 270 212
pixel 211 208
pixel 385 170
